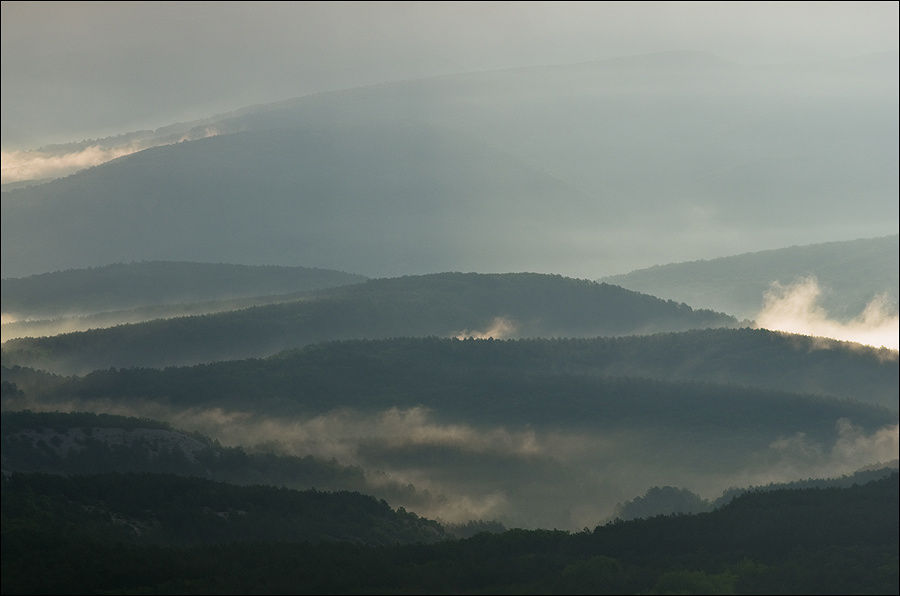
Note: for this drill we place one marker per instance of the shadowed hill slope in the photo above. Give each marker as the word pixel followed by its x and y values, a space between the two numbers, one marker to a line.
pixel 789 542
pixel 165 509
pixel 130 285
pixel 450 304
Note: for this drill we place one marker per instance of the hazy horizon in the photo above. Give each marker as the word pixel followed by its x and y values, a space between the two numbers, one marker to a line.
pixel 85 70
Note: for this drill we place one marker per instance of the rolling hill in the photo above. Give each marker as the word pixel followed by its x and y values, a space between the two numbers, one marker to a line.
pixel 383 197
pixel 746 357
pixel 82 299
pixel 533 433
pixel 450 304
pixel 850 274
pixel 124 286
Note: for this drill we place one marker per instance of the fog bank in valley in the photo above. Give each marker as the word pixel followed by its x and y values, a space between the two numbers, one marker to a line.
pixel 523 476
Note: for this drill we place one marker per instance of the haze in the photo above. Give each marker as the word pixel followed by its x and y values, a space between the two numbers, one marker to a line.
pixel 84 70
pixel 525 264
pixel 509 261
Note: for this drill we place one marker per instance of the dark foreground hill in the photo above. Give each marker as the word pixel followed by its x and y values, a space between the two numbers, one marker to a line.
pixel 813 541
pixel 130 285
pixel 167 509
pixel 850 274
pixel 447 304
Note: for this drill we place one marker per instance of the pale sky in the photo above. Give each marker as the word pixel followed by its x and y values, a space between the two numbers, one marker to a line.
pixel 78 70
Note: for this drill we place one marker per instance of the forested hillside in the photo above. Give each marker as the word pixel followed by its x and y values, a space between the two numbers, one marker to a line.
pixel 533 433
pixel 813 541
pixel 166 509
pixel 88 443
pixel 446 304
pixel 669 500
pixel 746 357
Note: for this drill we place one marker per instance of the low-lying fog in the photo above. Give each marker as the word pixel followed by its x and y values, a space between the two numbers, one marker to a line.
pixel 521 475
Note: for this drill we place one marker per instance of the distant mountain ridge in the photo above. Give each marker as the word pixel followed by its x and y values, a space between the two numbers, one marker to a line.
pixel 131 285
pixel 376 198
pixel 850 274
pixel 543 168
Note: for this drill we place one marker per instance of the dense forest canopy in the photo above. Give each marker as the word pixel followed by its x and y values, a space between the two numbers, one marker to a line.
pixel 823 541
pixel 446 304
pixel 534 433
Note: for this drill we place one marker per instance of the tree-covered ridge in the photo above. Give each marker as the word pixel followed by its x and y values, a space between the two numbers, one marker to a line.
pixel 508 430
pixel 448 304
pixel 15 422
pixel 450 373
pixel 168 509
pixel 819 541
pixel 88 443
pixel 850 273
pixel 130 285
pixel 668 500
pixel 362 377
pixel 749 357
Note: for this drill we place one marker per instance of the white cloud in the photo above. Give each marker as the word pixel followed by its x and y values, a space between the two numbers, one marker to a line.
pixel 19 166
pixel 795 308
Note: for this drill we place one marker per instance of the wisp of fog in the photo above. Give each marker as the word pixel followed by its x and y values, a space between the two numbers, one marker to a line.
pixel 794 308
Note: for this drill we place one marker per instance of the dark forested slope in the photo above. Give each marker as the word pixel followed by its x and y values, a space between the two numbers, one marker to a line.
pixel 532 433
pixel 166 509
pixel 537 382
pixel 813 541
pixel 87 443
pixel 448 304
pixel 737 357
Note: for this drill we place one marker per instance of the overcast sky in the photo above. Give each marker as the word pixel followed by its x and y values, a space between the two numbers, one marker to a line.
pixel 76 70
